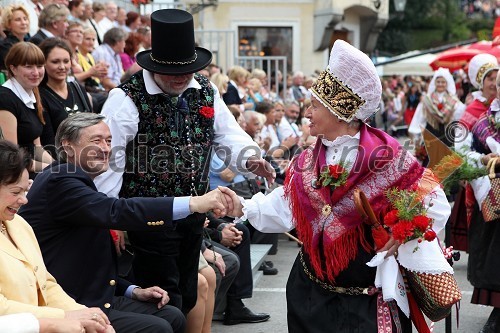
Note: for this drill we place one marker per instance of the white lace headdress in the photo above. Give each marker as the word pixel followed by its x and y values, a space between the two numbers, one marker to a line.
pixel 350 86
pixel 479 67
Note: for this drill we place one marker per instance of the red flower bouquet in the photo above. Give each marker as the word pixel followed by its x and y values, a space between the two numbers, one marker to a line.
pixel 333 175
pixel 408 220
pixel 207 112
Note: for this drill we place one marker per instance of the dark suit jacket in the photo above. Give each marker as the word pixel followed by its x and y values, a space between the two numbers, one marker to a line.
pixel 71 221
pixel 38 37
pixel 231 96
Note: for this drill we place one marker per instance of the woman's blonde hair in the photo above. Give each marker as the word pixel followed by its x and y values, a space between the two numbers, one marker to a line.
pixel 26 53
pixel 258 73
pixel 237 71
pixel 221 81
pixel 8 12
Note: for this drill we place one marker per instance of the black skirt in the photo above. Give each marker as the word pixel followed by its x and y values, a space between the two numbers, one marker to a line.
pixel 311 308
pixel 483 268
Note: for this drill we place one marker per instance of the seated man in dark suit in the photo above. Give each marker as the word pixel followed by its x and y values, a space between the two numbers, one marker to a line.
pixel 72 220
pixel 53 21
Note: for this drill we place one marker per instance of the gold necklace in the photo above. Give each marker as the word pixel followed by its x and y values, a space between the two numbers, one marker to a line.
pixel 3 228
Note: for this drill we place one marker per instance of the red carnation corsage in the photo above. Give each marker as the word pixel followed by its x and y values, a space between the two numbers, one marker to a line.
pixel 207 112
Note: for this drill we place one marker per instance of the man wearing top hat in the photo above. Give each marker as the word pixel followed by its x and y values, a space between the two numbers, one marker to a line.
pixel 165 121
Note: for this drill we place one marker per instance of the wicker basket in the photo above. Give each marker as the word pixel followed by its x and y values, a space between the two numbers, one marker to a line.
pixel 435 294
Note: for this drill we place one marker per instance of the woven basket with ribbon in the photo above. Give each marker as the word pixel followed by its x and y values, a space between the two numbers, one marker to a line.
pixel 434 294
pixel 491 205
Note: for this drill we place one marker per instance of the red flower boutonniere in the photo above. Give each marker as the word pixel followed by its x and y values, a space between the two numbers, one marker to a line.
pixel 407 220
pixel 333 175
pixel 440 106
pixel 207 112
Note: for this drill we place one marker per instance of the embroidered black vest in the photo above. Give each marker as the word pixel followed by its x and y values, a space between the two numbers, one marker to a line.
pixel 170 155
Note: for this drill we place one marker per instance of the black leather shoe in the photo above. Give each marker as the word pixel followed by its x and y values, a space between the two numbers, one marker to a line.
pixel 268 270
pixel 269 263
pixel 237 312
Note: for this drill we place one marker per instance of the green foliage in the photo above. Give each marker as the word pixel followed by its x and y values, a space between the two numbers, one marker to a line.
pixel 429 23
pixel 406 202
pixel 477 24
pixel 484 34
pixel 466 172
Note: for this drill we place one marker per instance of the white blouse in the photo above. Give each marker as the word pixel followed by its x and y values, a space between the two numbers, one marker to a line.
pixel 27 98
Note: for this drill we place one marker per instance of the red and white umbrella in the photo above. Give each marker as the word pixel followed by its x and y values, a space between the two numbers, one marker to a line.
pixel 454 59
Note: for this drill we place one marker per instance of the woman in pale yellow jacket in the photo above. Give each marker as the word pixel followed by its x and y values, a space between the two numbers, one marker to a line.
pixel 25 283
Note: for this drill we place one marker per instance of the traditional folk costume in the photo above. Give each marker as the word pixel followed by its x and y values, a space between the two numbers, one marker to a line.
pixel 484 237
pixel 168 144
pixel 436 112
pixel 479 67
pixel 331 285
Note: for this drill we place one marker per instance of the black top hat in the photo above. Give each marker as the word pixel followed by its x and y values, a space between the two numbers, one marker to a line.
pixel 173 48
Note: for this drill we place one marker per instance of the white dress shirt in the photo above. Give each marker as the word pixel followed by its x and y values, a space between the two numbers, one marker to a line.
pixel 268 131
pixel 104 25
pixel 105 52
pixel 285 129
pixel 123 120
pixel 47 33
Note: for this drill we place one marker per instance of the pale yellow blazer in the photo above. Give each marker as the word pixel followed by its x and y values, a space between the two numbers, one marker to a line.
pixel 25 284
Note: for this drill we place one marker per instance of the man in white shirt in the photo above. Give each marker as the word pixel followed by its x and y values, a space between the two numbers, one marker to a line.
pixel 109 52
pixel 108 22
pixel 292 112
pixel 164 122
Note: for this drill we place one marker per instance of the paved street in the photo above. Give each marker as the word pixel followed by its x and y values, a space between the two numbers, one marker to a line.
pixel 269 296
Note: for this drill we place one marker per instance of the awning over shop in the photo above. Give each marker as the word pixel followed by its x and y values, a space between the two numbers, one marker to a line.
pixel 408 65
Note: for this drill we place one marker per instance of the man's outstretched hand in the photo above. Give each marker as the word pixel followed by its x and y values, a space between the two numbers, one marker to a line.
pixel 261 167
pixel 212 201
pixel 237 209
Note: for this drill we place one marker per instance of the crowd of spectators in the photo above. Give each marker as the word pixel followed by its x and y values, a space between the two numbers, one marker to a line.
pixel 481 8
pixel 65 65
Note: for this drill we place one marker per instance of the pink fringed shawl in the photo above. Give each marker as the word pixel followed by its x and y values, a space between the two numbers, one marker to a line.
pixel 381 164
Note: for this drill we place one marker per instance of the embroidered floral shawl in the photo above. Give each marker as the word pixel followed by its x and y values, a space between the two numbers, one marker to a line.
pixel 484 128
pixel 331 241
pixel 437 112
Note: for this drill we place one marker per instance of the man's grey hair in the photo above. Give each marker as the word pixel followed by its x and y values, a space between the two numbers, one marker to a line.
pixel 52 13
pixel 290 102
pixel 71 127
pixel 250 114
pixel 114 35
pixel 298 74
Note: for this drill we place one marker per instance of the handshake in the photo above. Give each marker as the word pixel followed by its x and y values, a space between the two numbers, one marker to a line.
pixel 221 201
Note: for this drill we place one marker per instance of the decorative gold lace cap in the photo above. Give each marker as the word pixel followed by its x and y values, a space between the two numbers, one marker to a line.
pixel 337 96
pixel 482 71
